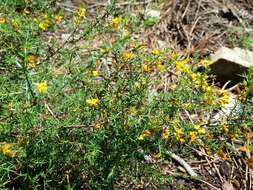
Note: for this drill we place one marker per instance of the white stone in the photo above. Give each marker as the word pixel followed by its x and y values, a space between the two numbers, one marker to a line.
pixel 152 13
pixel 228 64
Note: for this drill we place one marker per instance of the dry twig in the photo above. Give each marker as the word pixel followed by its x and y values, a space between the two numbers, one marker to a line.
pixel 183 163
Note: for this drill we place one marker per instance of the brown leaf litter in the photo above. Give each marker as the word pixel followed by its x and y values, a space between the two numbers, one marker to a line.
pixel 199 25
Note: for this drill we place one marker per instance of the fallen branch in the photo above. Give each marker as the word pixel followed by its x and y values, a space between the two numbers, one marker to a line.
pixel 183 163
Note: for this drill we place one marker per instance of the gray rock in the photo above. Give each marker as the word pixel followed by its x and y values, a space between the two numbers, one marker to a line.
pixel 229 64
pixel 152 13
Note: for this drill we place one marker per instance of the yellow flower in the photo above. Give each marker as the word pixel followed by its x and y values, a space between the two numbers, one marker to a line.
pixel 224 99
pixel 193 136
pixel 158 155
pixel 173 56
pixel 178 131
pixel 115 23
pixel 81 12
pixel 145 133
pixel 205 63
pixel 141 137
pixel 6 149
pixel 147 68
pixel 160 66
pixel 156 52
pixel 209 99
pixel 58 19
pixel 165 134
pixel 209 93
pixel 41 87
pixel 173 87
pixel 44 24
pixel 95 73
pixel 205 87
pixel 111 102
pixel 199 129
pixel 104 50
pixel 225 128
pixel 194 76
pixel 202 131
pixel 31 61
pixel 128 56
pixel 97 126
pixel 15 25
pixel 137 46
pixel 181 66
pixel 187 106
pixel 94 102
pixel 77 109
pixel 180 139
pixel 2 20
pixel 179 135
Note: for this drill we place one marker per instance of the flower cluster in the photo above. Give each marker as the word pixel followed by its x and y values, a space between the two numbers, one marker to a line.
pixel 7 149
pixel 179 134
pixel 93 102
pixel 45 23
pixel 116 23
pixel 224 98
pixel 127 56
pixel 181 66
pixel 41 87
pixel 31 61
pixel 195 133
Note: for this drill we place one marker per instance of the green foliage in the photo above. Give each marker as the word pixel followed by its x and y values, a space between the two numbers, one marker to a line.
pixel 240 37
pixel 150 21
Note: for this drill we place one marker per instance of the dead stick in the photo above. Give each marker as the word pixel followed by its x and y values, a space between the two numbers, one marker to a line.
pixel 225 85
pixel 183 163
pixel 50 111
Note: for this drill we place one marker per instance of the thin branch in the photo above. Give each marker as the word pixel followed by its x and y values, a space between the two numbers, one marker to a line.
pixel 183 163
